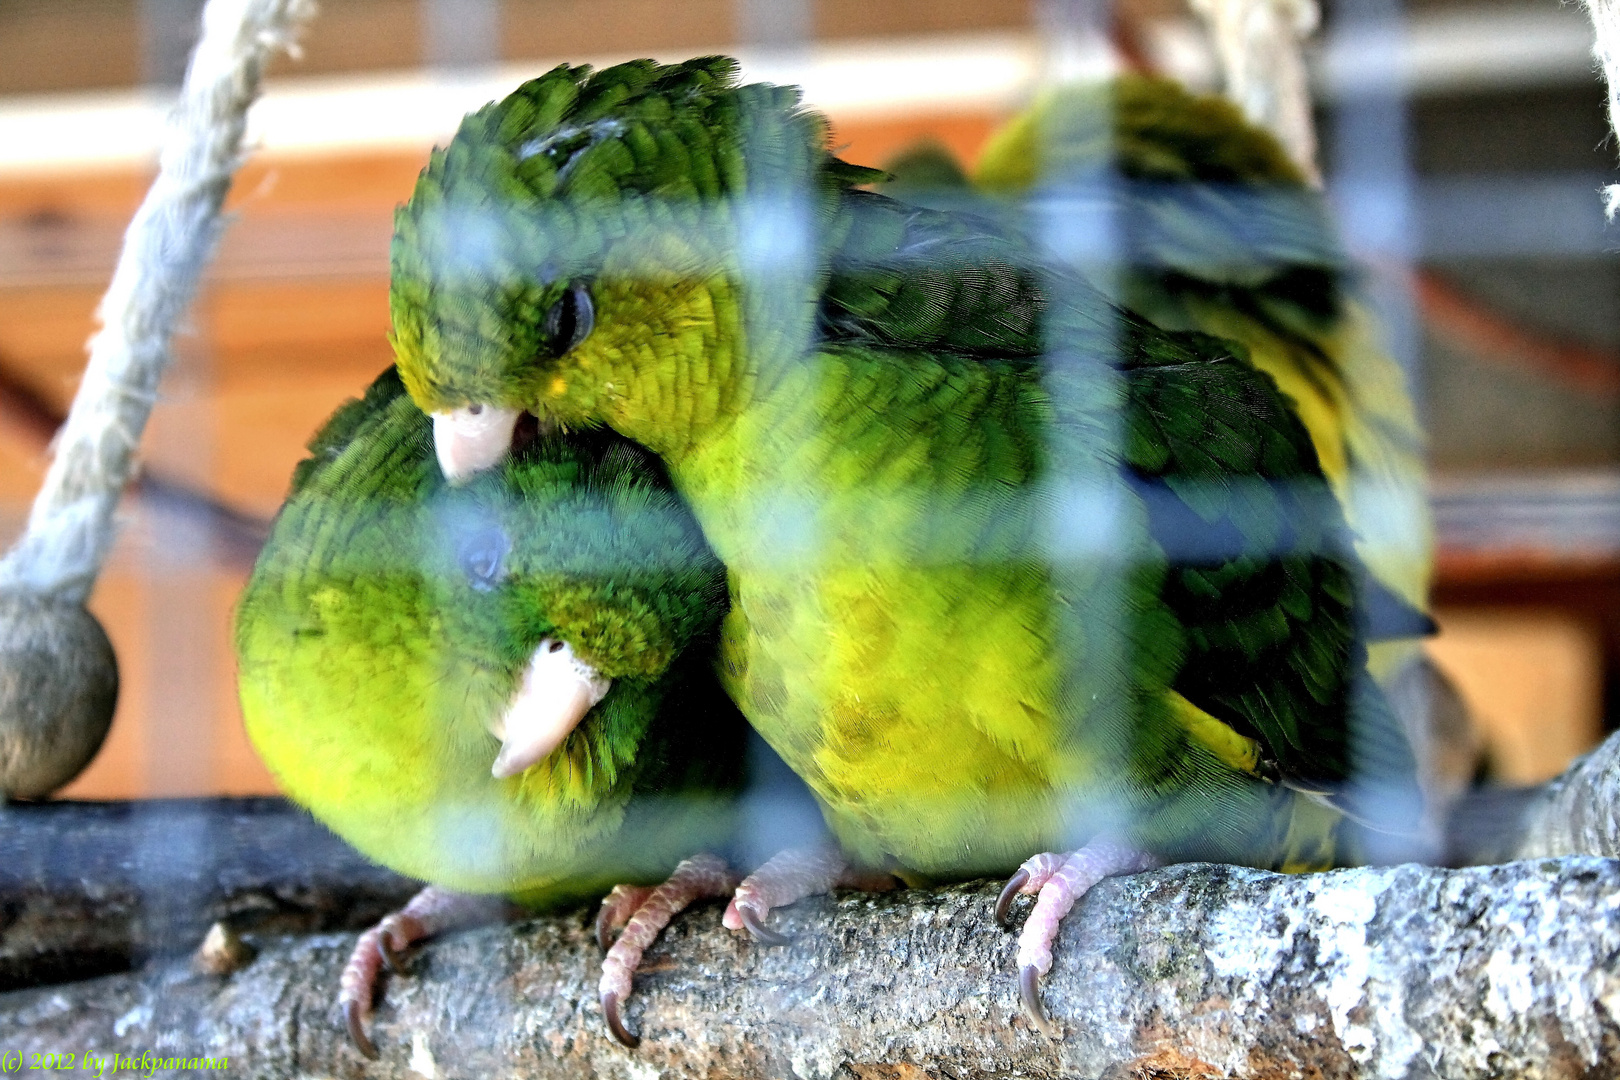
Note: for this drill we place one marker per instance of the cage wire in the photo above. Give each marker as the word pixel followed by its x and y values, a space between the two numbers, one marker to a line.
pixel 1087 225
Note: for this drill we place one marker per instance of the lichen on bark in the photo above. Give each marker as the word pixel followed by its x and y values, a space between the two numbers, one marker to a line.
pixel 1188 971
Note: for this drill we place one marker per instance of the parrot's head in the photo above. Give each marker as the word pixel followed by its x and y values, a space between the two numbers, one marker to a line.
pixel 582 575
pixel 579 233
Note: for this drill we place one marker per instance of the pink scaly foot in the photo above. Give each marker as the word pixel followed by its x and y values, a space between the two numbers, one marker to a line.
pixel 1027 881
pixel 698 878
pixel 430 912
pixel 792 875
pixel 1060 881
pixel 617 907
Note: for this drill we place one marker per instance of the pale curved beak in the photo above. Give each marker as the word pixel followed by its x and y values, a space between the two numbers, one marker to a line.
pixel 558 689
pixel 470 439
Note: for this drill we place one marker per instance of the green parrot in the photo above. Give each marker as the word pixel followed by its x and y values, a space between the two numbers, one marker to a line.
pixel 503 689
pixel 1012 571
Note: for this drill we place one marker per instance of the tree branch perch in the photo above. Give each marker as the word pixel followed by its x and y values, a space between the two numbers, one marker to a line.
pixel 1191 971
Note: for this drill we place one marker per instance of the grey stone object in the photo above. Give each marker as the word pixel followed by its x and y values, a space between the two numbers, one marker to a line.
pixel 58 688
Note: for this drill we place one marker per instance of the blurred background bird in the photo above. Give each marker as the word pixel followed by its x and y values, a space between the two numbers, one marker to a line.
pixel 1221 232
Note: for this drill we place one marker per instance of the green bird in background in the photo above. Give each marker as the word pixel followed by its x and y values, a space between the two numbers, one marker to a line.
pixel 503 689
pixel 1013 572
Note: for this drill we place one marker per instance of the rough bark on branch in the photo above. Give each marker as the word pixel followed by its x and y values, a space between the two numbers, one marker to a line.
pixel 1192 971
pixel 88 888
pixel 1579 812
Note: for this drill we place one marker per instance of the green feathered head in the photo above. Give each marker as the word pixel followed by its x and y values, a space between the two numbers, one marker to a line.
pixel 589 224
pixel 530 203
pixel 577 539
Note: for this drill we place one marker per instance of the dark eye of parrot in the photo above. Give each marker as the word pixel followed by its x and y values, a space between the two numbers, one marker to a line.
pixel 483 558
pixel 570 319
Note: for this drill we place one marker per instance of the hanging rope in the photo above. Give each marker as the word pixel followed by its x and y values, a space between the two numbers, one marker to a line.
pixel 70 527
pixel 58 676
pixel 1258 43
pixel 1606 49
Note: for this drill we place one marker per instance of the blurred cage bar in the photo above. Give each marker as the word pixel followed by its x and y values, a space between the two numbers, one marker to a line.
pixel 1463 145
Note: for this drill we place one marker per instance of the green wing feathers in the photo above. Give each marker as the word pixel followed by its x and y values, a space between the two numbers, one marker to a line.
pixel 1226 238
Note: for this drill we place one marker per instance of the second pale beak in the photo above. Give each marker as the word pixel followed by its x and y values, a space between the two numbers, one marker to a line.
pixel 470 439
pixel 558 689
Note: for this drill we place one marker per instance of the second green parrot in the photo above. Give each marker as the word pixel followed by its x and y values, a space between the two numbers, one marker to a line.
pixel 502 689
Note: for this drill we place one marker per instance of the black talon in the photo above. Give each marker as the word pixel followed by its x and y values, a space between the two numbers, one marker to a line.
pixel 357 1030
pixel 610 1012
pixel 758 930
pixel 389 956
pixel 604 932
pixel 1010 893
pixel 1029 989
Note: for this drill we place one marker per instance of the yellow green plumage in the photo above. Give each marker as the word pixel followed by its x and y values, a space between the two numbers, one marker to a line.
pixel 1008 565
pixel 390 617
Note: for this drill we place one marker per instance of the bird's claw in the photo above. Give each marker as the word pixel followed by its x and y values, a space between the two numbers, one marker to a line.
pixel 1059 881
pixel 392 955
pixel 1009 893
pixel 604 929
pixel 754 923
pixel 618 908
pixel 1029 990
pixel 429 912
pixel 644 913
pixel 615 1023
pixel 354 1019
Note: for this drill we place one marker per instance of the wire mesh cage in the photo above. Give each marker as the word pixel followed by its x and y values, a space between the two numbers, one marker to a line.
pixel 1050 428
